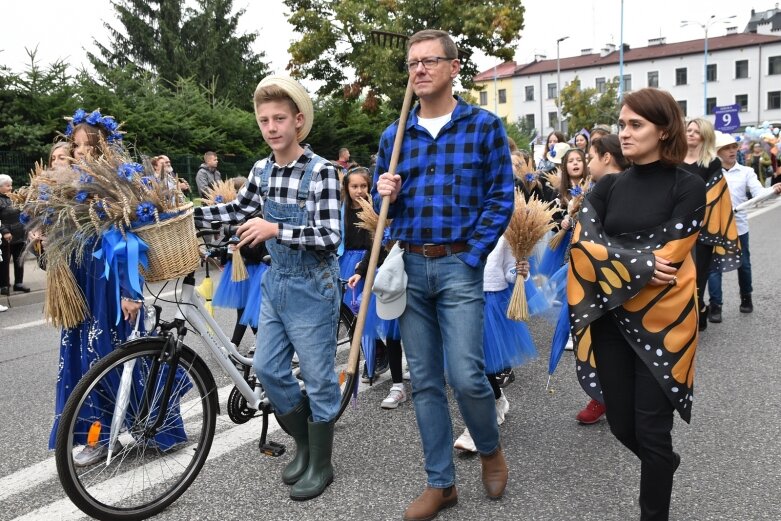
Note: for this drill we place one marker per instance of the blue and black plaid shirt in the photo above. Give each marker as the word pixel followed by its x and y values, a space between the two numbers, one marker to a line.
pixel 457 187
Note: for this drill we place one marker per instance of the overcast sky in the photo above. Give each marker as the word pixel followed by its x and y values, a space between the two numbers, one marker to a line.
pixel 64 29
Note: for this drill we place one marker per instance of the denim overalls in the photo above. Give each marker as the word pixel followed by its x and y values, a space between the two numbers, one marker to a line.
pixel 299 312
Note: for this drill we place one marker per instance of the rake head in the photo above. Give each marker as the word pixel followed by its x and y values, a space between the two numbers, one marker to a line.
pixel 388 39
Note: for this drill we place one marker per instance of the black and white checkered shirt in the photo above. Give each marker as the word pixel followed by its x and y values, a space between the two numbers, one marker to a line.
pixel 322 230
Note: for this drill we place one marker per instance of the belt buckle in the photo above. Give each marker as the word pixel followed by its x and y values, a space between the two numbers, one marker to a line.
pixel 426 247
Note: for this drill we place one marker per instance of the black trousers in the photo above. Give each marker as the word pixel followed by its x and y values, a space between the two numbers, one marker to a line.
pixel 703 254
pixel 12 251
pixel 639 414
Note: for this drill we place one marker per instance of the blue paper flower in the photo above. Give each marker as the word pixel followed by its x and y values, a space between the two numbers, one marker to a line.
pixel 44 193
pixel 109 123
pixel 84 178
pixel 219 199
pixel 100 210
pixel 48 219
pixel 79 116
pixel 81 196
pixel 529 177
pixel 576 191
pixel 95 118
pixel 145 212
pixel 69 129
pixel 147 181
pixel 126 170
pixel 24 218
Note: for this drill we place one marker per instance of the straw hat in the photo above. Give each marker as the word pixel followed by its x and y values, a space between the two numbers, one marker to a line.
pixel 559 149
pixel 723 140
pixel 299 96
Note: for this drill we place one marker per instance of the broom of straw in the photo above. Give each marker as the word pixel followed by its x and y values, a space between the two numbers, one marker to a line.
pixel 529 223
pixel 355 344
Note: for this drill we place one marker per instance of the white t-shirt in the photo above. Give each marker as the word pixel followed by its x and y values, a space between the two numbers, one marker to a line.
pixel 434 125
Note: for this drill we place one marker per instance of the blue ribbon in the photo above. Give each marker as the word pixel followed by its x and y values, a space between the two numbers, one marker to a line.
pixel 123 254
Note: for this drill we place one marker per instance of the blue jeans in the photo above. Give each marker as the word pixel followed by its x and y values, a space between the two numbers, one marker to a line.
pixel 744 275
pixel 444 320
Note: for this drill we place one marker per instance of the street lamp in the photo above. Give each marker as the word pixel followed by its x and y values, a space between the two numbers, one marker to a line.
pixel 705 26
pixel 558 82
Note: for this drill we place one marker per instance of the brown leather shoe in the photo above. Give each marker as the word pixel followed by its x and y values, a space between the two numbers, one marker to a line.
pixel 430 502
pixel 494 473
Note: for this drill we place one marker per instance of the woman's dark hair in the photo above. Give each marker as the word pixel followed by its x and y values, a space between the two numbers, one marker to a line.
pixel 661 109
pixel 564 187
pixel 611 145
pixel 561 137
pixel 358 170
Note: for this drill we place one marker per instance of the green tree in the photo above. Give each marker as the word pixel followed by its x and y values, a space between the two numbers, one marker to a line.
pixel 520 132
pixel 167 39
pixel 585 108
pixel 336 44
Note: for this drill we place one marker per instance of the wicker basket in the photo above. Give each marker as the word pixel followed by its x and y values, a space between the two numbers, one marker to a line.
pixel 173 248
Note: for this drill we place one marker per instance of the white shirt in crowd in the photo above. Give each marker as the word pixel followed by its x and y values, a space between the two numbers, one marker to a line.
pixel 742 179
pixel 499 267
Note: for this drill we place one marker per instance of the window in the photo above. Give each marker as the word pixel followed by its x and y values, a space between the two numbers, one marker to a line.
pixel 742 100
pixel 710 104
pixel 502 96
pixel 653 78
pixel 551 90
pixel 774 65
pixel 530 93
pixel 682 103
pixel 600 85
pixel 529 120
pixel 680 76
pixel 553 120
pixel 741 69
pixel 627 83
pixel 711 72
pixel 483 98
pixel 774 100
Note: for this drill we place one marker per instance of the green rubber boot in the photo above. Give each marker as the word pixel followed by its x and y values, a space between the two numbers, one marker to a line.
pixel 295 423
pixel 320 473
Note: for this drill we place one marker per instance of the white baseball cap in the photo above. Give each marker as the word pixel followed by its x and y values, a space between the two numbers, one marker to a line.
pixel 390 285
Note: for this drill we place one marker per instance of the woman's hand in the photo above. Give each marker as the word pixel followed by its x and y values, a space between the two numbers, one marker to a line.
pixel 353 281
pixel 565 223
pixel 130 309
pixel 664 273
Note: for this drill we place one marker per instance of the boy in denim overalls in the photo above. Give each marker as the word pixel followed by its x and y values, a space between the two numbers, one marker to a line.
pixel 298 195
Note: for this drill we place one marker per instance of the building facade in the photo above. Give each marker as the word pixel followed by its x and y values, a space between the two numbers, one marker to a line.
pixel 742 68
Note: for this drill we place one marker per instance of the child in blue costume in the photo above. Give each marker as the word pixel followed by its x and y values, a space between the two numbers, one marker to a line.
pixel 103 329
pixel 298 195
pixel 506 343
pixel 356 185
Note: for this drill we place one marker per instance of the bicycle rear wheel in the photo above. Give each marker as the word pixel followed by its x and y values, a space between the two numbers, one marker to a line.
pixel 348 383
pixel 114 409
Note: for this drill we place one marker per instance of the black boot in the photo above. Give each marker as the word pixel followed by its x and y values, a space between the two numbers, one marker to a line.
pixel 320 473
pixel 295 423
pixel 5 290
pixel 714 313
pixel 703 325
pixel 746 306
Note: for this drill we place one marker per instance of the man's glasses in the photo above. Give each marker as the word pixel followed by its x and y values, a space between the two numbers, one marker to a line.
pixel 428 63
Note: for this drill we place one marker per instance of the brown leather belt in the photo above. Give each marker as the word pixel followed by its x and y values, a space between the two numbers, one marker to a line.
pixel 434 251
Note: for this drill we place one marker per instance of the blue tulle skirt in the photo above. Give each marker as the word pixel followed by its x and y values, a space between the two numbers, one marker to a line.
pixel 251 314
pixel 347 263
pixel 232 294
pixel 506 343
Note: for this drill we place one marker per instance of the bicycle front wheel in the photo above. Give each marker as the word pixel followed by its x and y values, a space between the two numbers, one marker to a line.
pixel 121 452
pixel 348 383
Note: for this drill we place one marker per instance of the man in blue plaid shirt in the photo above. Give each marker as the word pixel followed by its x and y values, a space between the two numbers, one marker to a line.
pixel 450 204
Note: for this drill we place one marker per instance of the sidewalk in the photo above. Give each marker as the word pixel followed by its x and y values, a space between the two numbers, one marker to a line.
pixel 35 279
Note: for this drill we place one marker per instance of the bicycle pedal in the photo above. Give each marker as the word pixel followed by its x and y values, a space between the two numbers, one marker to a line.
pixel 272 448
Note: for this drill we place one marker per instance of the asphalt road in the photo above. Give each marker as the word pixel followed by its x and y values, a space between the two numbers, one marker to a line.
pixel 559 470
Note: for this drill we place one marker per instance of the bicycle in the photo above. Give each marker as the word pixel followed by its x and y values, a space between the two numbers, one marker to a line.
pixel 151 458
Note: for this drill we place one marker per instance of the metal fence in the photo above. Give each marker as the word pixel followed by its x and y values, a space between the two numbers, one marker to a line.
pixel 19 166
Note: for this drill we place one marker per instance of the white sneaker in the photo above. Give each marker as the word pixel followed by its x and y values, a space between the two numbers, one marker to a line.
pixel 3 308
pixel 295 359
pixel 465 442
pixel 91 455
pixel 394 398
pixel 570 344
pixel 502 407
pixel 405 376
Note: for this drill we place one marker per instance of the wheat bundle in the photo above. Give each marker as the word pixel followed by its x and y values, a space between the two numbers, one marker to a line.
pixel 529 222
pixel 219 192
pixel 368 217
pixel 573 207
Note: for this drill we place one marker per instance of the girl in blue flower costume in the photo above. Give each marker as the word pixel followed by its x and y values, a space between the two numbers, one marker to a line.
pixel 94 287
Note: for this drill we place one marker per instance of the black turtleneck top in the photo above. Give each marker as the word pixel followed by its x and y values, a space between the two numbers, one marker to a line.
pixel 355 238
pixel 645 196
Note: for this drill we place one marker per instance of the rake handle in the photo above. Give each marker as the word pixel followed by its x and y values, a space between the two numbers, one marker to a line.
pixel 355 344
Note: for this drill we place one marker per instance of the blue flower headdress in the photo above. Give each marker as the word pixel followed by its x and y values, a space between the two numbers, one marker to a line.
pixel 96 119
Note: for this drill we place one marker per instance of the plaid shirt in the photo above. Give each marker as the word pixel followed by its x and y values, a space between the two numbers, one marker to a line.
pixel 322 229
pixel 457 187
